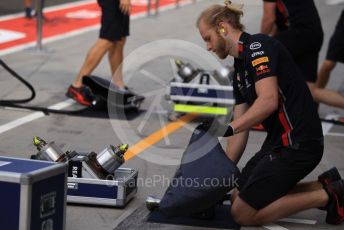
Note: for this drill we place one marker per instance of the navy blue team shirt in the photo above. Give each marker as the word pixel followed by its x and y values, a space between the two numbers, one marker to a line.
pixel 296 120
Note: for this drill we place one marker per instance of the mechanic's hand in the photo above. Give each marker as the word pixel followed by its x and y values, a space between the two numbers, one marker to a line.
pixel 125 6
pixel 216 129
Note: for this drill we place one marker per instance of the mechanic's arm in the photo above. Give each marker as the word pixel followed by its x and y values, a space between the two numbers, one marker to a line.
pixel 236 144
pixel 269 18
pixel 265 104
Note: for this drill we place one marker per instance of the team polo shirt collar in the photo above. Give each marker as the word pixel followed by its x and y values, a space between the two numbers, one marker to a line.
pixel 242 43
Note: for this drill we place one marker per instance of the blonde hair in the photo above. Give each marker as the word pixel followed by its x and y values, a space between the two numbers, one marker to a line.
pixel 229 13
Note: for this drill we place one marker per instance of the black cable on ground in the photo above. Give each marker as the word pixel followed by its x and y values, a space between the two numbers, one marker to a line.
pixel 27 84
pixel 16 103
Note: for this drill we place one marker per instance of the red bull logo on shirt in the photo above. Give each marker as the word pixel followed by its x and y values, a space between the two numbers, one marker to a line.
pixel 261 68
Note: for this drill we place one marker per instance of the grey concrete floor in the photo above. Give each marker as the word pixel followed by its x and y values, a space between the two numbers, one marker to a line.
pixel 51 73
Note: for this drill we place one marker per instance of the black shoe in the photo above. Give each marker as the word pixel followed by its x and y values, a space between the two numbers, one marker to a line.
pixel 335 206
pixel 82 95
pixel 329 176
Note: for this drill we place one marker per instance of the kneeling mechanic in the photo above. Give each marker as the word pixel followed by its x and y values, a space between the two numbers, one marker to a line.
pixel 268 89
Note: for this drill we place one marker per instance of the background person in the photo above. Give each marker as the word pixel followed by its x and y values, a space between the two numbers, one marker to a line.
pixel 297 25
pixel 112 38
pixel 335 53
pixel 28 8
pixel 270 90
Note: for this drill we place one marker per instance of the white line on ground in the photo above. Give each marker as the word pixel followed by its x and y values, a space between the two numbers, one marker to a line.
pixel 274 227
pixel 289 220
pixel 326 125
pixel 336 134
pixel 48 40
pixel 298 221
pixel 122 217
pixel 33 116
pixel 334 2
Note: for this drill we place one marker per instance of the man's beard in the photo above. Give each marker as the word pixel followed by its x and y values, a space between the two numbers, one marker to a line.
pixel 221 49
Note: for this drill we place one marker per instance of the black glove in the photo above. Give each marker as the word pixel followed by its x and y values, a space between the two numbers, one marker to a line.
pixel 216 129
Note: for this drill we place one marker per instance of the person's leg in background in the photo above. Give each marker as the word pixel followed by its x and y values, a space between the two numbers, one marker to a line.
pixel 325 96
pixel 308 65
pixel 320 95
pixel 324 73
pixel 116 56
pixel 77 90
pixel 112 38
pixel 28 8
pixel 306 55
pixel 93 58
pixel 80 93
pixel 335 53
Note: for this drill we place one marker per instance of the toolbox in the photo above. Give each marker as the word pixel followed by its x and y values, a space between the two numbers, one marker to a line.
pixel 32 194
pixel 93 179
pixel 115 191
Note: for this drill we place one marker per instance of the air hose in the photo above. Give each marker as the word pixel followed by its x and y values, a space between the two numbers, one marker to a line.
pixel 17 102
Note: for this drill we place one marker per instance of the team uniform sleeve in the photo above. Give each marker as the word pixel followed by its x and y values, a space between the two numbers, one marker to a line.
pixel 236 92
pixel 262 60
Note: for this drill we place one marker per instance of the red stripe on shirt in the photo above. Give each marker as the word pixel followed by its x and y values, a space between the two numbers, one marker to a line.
pixel 284 121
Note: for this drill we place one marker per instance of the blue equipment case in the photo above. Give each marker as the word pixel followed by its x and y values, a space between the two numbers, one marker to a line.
pixel 201 91
pixel 201 98
pixel 32 194
pixel 114 192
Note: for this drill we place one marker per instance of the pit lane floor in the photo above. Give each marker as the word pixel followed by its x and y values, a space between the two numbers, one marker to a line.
pixel 52 72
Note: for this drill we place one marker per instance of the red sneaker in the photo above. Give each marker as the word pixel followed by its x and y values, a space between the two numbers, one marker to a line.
pixel 329 176
pixel 335 206
pixel 82 95
pixel 259 127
